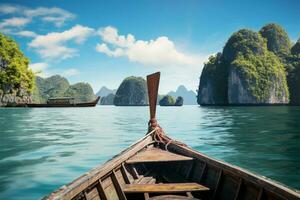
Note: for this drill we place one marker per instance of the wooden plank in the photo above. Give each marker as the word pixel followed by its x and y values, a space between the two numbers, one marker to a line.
pixel 238 189
pixel 156 155
pixel 117 186
pixel 101 191
pixel 278 189
pixel 146 196
pixel 144 180
pixel 260 194
pixel 218 183
pixel 72 189
pixel 124 173
pixel 163 188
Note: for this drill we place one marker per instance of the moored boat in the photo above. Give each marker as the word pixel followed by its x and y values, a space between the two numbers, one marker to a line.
pixel 157 167
pixel 63 102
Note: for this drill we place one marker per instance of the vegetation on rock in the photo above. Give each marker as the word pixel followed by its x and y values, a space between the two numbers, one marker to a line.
pixel 58 86
pixel 81 92
pixel 179 101
pixel 16 78
pixel 277 39
pixel 167 101
pixel 296 48
pixel 132 92
pixel 213 82
pixel 251 69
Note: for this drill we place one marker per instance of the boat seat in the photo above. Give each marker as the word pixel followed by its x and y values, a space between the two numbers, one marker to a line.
pixel 156 155
pixel 164 188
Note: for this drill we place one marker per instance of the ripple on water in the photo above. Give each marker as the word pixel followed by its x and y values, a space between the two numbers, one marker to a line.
pixel 42 149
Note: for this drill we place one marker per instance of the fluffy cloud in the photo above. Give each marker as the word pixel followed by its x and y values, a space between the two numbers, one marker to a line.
pixel 26 34
pixel 54 45
pixel 54 15
pixel 14 22
pixel 159 54
pixel 160 51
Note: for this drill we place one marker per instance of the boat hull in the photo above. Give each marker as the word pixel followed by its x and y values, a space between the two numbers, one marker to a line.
pixel 194 176
pixel 88 104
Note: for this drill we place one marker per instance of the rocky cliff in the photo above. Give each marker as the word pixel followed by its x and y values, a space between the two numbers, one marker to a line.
pixel 81 92
pixel 132 92
pixel 16 79
pixel 107 100
pixel 167 101
pixel 248 71
pixel 58 86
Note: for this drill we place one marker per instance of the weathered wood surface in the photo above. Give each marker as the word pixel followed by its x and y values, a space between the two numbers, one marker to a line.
pixel 268 186
pixel 156 155
pixel 173 197
pixel 163 188
pixel 71 190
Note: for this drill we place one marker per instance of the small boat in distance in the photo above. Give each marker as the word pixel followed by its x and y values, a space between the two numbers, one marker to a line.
pixel 159 168
pixel 63 102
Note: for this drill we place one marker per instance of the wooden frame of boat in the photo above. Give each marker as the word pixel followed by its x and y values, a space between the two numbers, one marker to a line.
pixel 153 169
pixel 63 104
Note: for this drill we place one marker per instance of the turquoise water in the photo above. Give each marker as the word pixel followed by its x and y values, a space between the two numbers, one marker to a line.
pixel 42 149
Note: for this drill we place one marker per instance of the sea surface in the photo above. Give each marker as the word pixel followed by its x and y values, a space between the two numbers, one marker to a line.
pixel 42 149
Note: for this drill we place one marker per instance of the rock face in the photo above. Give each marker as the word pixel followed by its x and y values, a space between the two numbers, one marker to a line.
pixel 167 101
pixel 247 72
pixel 179 101
pixel 294 74
pixel 189 96
pixel 16 79
pixel 58 86
pixel 51 87
pixel 107 100
pixel 296 48
pixel 277 39
pixel 213 82
pixel 132 92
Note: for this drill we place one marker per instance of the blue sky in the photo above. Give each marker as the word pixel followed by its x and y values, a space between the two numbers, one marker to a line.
pixel 102 42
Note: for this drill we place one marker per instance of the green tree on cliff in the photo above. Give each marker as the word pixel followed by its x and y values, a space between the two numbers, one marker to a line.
pixel 14 71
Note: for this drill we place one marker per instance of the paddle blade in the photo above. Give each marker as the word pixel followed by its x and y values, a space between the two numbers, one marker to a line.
pixel 153 83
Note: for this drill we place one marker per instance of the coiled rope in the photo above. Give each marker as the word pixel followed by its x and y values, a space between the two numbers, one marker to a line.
pixel 159 135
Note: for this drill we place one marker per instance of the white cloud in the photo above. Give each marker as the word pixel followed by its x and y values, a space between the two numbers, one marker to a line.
pixel 14 22
pixel 160 51
pixel 39 68
pixel 54 45
pixel 26 34
pixel 9 9
pixel 159 54
pixel 70 72
pixel 54 15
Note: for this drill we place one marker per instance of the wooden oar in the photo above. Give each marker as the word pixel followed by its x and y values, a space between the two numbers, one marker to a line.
pixel 153 83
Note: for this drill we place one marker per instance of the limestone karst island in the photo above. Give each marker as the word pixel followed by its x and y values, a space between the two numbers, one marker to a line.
pixel 150 100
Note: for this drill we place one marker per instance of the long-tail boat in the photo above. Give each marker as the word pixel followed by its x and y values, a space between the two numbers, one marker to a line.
pixel 157 167
pixel 62 102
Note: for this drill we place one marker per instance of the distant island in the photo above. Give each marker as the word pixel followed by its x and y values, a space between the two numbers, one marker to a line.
pixel 132 92
pixel 170 101
pixel 58 86
pixel 188 96
pixel 253 68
